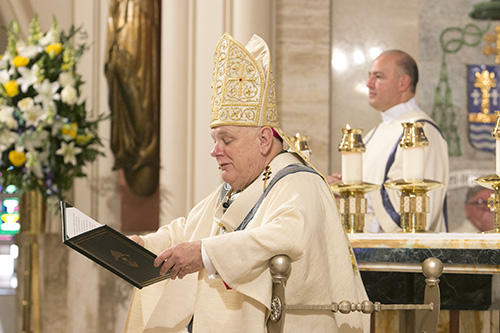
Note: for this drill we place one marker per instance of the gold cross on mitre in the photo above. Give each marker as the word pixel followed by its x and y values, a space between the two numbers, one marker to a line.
pixel 485 81
pixel 244 69
pixel 489 50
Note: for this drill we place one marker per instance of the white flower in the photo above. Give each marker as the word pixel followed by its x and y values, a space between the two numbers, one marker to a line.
pixel 12 124
pixel 28 77
pixel 47 89
pixel 29 51
pixel 6 117
pixel 48 106
pixel 25 104
pixel 36 139
pixel 66 79
pixel 47 93
pixel 68 95
pixel 49 38
pixel 57 125
pixel 34 161
pixel 69 152
pixel 4 76
pixel 5 112
pixel 34 115
pixel 4 61
pixel 6 139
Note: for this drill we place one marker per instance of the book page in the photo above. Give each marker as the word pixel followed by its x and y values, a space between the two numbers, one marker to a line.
pixel 77 222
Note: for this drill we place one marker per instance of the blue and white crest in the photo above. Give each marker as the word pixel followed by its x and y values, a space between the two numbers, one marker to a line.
pixel 483 90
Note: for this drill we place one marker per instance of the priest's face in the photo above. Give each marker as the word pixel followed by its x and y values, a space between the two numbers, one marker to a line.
pixel 237 151
pixel 478 212
pixel 385 82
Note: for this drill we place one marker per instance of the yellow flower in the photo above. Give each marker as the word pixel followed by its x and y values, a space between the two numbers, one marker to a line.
pixel 70 130
pixel 53 49
pixel 20 61
pixel 83 139
pixel 17 158
pixel 12 88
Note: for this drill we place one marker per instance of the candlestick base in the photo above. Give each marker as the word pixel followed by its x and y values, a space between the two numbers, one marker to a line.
pixel 492 182
pixel 413 202
pixel 352 204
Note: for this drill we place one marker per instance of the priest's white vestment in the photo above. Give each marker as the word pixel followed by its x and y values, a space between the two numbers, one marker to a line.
pixel 382 148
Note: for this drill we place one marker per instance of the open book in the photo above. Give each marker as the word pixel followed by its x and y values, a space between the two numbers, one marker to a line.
pixel 109 248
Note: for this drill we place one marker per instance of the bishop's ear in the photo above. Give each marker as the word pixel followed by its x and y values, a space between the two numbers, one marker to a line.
pixel 266 138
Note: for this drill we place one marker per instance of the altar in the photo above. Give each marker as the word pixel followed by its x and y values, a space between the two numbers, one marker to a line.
pixel 391 268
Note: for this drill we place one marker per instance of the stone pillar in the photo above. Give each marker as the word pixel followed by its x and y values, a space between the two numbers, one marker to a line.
pixel 251 17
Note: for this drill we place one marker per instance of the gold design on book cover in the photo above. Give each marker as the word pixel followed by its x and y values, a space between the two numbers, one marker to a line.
pixel 124 258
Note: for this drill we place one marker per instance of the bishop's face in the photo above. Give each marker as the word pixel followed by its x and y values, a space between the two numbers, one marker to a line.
pixel 237 151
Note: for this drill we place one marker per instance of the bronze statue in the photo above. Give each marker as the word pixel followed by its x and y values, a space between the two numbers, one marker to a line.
pixel 133 73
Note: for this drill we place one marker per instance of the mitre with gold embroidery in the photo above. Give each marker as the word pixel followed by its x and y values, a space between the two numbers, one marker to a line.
pixel 243 87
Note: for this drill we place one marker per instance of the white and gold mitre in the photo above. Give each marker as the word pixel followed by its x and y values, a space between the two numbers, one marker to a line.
pixel 243 86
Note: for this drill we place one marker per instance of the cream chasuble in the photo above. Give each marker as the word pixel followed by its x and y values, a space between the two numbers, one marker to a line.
pixel 298 218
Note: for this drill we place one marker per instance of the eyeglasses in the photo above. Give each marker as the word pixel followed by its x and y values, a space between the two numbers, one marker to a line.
pixel 479 202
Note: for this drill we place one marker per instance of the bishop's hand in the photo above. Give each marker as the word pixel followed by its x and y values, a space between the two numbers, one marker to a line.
pixel 181 259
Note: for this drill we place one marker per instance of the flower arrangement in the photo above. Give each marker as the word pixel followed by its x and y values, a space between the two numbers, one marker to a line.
pixel 45 136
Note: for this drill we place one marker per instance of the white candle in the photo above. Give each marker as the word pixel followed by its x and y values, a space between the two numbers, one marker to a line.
pixel 352 167
pixel 413 163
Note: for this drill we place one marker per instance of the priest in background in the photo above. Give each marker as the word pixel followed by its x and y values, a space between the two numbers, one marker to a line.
pixel 480 218
pixel 392 83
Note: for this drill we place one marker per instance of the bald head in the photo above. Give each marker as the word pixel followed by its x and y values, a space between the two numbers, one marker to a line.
pixel 407 65
pixel 392 79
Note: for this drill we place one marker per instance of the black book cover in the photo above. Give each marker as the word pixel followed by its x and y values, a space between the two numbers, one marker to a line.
pixel 115 252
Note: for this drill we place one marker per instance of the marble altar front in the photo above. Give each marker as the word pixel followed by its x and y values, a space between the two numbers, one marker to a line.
pixel 391 268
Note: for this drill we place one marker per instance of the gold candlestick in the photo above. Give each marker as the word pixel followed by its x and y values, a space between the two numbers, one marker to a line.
pixel 414 188
pixel 351 200
pixel 413 202
pixel 413 135
pixel 493 181
pixel 300 143
pixel 352 140
pixel 352 204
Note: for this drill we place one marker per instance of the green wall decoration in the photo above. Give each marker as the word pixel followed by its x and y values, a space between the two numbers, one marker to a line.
pixel 452 39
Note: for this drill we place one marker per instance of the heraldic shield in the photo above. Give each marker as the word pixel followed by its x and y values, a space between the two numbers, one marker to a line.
pixel 483 90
